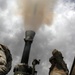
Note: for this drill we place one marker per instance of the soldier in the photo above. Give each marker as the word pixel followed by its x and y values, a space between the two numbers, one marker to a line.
pixel 57 62
pixel 53 63
pixel 5 60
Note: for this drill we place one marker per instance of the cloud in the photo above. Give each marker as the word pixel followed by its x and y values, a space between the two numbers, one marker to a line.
pixel 60 36
pixel 68 1
pixel 3 4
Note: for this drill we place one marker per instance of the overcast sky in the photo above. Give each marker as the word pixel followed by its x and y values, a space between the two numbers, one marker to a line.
pixel 61 35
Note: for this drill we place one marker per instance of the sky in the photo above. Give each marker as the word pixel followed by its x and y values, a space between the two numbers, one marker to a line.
pixel 60 35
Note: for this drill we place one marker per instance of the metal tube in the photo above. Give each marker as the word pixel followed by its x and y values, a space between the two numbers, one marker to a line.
pixel 28 41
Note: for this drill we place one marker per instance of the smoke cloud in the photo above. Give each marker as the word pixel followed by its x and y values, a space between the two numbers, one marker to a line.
pixel 37 12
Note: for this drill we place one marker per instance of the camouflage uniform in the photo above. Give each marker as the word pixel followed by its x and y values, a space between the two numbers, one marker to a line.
pixel 5 64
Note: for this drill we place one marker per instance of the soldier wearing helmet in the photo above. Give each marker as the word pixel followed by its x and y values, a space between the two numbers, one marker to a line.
pixel 57 61
pixel 5 60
